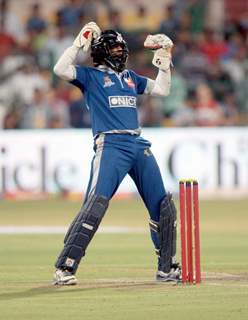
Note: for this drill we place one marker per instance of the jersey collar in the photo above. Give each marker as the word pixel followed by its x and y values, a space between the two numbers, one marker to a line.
pixel 104 68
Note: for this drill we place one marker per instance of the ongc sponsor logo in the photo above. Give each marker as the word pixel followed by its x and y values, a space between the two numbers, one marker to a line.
pixel 122 101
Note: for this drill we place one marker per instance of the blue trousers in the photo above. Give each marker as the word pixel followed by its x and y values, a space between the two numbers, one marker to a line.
pixel 119 154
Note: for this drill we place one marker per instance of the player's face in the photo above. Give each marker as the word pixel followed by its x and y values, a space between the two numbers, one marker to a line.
pixel 116 50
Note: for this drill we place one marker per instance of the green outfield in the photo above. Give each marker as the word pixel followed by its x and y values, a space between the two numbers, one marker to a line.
pixel 116 278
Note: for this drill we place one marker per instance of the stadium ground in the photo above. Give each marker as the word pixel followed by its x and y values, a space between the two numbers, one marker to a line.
pixel 116 278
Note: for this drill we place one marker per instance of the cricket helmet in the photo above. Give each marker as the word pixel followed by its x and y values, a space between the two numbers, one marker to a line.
pixel 101 50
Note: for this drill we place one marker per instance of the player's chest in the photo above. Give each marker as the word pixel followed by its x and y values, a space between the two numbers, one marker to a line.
pixel 113 83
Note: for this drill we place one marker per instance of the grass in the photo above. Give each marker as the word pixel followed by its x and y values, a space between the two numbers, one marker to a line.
pixel 116 276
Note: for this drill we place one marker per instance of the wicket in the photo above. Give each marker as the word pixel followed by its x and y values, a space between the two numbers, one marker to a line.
pixel 190 242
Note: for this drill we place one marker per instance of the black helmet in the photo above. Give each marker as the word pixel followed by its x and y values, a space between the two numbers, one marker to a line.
pixel 100 50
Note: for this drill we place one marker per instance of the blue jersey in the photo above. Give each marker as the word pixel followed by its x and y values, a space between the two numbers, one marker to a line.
pixel 110 97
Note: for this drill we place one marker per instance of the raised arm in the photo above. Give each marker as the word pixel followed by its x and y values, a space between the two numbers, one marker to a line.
pixel 161 44
pixel 65 66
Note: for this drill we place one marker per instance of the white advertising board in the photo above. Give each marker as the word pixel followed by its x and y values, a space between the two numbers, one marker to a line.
pixel 54 160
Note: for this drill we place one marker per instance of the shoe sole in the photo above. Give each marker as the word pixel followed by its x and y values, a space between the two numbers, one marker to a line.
pixel 65 283
pixel 168 280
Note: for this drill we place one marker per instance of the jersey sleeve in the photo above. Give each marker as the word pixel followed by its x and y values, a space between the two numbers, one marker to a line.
pixel 82 78
pixel 140 82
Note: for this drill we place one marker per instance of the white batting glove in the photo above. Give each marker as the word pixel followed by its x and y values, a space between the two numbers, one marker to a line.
pixel 161 44
pixel 158 41
pixel 162 59
pixel 89 32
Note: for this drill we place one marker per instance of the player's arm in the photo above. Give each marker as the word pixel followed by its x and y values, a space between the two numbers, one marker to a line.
pixel 65 66
pixel 161 45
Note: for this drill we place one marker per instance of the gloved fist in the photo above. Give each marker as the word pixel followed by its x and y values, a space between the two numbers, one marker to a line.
pixel 161 44
pixel 158 41
pixel 89 32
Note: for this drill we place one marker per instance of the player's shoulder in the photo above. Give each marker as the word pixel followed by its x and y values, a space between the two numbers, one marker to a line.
pixel 135 74
pixel 87 71
pixel 131 71
pixel 85 68
pixel 98 70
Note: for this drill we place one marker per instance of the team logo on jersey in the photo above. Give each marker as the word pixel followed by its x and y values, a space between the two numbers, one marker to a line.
pixel 130 82
pixel 107 82
pixel 122 101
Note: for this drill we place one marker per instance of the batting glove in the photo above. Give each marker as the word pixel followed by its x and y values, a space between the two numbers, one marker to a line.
pixel 158 41
pixel 89 32
pixel 161 44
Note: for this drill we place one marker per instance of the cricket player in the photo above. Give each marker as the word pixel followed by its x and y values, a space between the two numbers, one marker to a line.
pixel 110 92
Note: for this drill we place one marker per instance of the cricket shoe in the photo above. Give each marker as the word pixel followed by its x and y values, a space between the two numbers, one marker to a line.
pixel 173 276
pixel 64 278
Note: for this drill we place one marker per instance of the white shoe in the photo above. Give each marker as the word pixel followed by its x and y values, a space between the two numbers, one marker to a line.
pixel 64 277
pixel 173 276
